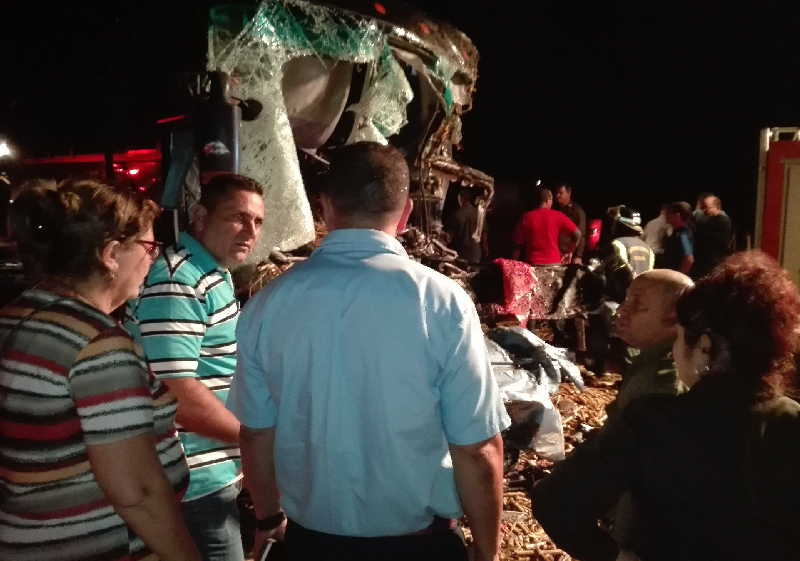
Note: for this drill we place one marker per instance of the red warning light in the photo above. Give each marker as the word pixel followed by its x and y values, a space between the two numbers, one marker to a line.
pixel 142 188
pixel 380 8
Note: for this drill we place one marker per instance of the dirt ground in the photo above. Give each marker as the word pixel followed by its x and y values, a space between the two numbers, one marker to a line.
pixel 582 412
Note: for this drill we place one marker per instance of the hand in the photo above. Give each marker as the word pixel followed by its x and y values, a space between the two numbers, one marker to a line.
pixel 264 537
pixel 577 261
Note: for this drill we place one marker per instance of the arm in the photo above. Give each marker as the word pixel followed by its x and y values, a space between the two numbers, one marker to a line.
pixel 574 239
pixel 109 377
pixel 688 254
pixel 473 415
pixel 569 228
pixel 201 411
pixel 581 243
pixel 172 320
pixel 250 400
pixel 686 264
pixel 132 478
pixel 583 488
pixel 479 479
pixel 258 464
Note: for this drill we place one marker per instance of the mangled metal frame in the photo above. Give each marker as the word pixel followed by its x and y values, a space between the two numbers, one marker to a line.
pixel 321 46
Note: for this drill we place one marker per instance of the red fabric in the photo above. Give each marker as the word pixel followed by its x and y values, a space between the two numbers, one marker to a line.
pixel 538 232
pixel 593 237
pixel 518 284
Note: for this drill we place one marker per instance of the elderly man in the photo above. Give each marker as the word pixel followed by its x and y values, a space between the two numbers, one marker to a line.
pixel 185 320
pixel 646 321
pixel 368 410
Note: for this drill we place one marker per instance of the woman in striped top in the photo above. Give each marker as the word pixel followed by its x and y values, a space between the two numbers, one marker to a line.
pixel 90 464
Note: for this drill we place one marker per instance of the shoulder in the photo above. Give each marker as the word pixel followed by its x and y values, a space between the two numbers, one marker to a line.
pixel 107 343
pixel 175 265
pixel 65 314
pixel 777 425
pixel 651 410
pixel 783 409
pixel 562 217
pixel 413 280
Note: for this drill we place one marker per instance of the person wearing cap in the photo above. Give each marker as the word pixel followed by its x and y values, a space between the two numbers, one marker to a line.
pixel 628 245
pixel 628 255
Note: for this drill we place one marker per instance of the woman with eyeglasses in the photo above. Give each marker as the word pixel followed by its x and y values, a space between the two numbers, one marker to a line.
pixel 90 463
pixel 712 472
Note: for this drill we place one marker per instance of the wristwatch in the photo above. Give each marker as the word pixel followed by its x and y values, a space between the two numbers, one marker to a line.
pixel 271 522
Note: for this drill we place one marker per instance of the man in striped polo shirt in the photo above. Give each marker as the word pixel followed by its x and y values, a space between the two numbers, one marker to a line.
pixel 185 319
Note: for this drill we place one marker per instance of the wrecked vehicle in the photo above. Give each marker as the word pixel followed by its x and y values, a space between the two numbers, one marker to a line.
pixel 289 80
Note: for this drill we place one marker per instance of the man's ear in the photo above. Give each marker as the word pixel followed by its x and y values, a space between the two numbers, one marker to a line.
pixel 328 212
pixel 403 222
pixel 198 217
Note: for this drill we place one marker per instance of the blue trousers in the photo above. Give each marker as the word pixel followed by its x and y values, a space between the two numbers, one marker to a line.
pixel 213 522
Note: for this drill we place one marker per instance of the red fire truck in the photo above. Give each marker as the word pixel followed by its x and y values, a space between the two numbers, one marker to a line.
pixel 777 217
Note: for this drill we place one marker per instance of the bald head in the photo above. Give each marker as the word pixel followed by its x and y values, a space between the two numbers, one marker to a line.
pixel 668 285
pixel 712 206
pixel 647 316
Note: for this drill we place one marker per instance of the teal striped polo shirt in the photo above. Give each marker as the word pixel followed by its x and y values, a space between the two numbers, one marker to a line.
pixel 185 319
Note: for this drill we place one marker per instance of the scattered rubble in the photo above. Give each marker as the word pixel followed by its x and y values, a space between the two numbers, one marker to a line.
pixel 582 413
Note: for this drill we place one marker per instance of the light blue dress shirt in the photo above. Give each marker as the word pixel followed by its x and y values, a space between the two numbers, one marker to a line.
pixel 368 364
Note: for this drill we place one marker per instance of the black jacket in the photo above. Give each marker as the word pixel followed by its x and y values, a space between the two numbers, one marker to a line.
pixel 712 240
pixel 712 477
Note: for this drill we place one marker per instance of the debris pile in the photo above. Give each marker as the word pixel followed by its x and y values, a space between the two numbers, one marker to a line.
pixel 582 412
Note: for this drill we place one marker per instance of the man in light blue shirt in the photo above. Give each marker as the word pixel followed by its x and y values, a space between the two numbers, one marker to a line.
pixel 364 390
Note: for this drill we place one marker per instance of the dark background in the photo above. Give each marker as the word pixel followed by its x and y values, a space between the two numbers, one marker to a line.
pixel 632 102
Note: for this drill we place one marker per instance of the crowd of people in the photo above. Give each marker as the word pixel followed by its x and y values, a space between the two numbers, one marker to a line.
pixel 679 238
pixel 353 398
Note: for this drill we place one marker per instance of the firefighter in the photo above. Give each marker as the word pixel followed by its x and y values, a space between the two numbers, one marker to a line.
pixel 628 255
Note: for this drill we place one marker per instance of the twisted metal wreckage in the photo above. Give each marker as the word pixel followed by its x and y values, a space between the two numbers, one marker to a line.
pixel 298 79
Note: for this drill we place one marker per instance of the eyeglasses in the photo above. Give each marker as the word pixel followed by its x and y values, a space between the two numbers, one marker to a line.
pixel 153 248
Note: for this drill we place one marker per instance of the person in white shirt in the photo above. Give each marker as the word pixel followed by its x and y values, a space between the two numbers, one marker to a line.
pixel 657 230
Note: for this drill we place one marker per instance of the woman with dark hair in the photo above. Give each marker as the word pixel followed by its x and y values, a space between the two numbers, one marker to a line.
pixel 90 462
pixel 713 472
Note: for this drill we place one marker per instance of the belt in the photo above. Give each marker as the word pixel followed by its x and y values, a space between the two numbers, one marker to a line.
pixel 438 526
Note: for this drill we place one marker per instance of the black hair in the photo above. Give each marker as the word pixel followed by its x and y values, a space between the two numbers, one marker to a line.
pixel 367 179
pixel 221 185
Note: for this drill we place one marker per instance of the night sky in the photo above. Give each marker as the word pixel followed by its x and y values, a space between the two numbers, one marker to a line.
pixel 632 102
